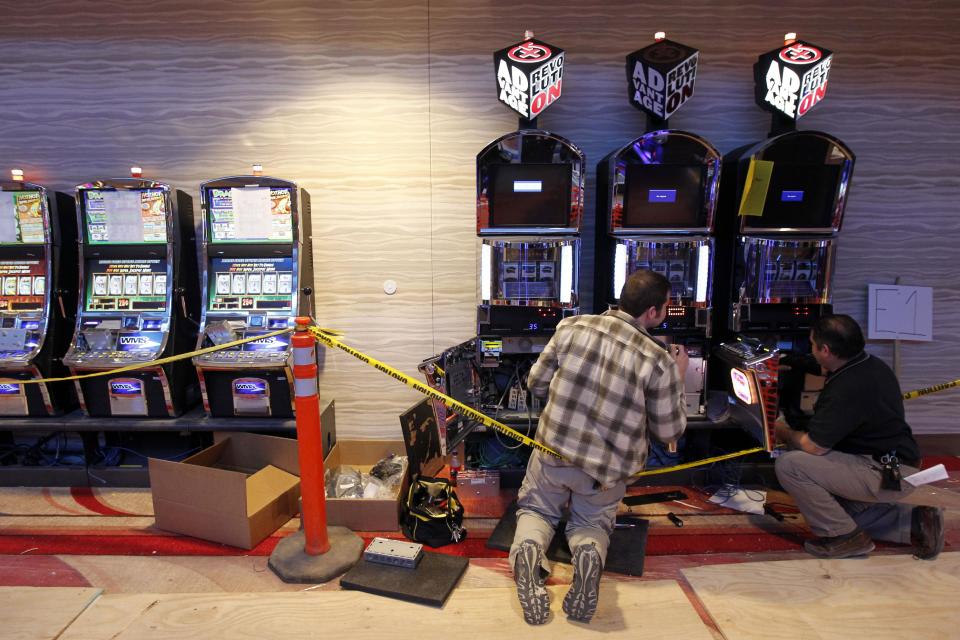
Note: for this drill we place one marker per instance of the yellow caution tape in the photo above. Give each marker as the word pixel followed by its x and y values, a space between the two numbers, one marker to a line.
pixel 698 463
pixel 154 363
pixel 483 419
pixel 329 338
pixel 910 395
pixel 413 383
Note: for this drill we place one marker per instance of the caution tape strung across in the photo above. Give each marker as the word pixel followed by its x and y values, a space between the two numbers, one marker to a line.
pixel 153 363
pixel 910 395
pixel 413 383
pixel 483 419
pixel 329 337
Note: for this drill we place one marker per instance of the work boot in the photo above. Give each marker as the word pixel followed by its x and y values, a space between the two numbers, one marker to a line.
pixel 926 532
pixel 581 601
pixel 848 545
pixel 533 595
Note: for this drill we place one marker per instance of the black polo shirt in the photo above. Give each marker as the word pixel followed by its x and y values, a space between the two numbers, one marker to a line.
pixel 860 410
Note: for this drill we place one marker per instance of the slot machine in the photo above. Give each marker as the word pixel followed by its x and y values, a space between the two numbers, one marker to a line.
pixel 656 200
pixel 783 205
pixel 529 203
pixel 38 252
pixel 139 297
pixel 257 277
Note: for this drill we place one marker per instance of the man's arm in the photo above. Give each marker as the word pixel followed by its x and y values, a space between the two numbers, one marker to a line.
pixel 799 440
pixel 541 373
pixel 665 404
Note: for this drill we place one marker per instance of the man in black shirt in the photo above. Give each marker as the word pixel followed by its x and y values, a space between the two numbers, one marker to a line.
pixel 843 468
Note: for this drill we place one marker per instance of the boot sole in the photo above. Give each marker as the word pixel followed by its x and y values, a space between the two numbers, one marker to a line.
pixel 533 596
pixel 581 601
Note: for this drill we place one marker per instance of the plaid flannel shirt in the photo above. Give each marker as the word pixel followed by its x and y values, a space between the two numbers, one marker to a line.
pixel 608 384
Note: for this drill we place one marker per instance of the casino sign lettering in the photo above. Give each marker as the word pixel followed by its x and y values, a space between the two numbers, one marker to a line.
pixel 661 77
pixel 529 76
pixel 793 79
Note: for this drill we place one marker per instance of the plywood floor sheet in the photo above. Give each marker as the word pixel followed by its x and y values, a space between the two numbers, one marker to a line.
pixel 32 613
pixel 648 610
pixel 878 597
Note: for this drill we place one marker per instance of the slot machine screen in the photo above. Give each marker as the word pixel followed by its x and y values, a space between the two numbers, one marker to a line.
pixel 251 214
pixel 21 217
pixel 23 285
pixel 126 285
pixel 530 195
pixel 251 284
pixel 125 217
pixel 664 196
pixel 799 196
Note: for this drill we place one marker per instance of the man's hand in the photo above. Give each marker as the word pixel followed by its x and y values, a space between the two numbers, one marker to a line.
pixel 794 439
pixel 679 353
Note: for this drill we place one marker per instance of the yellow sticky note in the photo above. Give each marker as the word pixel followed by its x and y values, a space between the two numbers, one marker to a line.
pixel 755 187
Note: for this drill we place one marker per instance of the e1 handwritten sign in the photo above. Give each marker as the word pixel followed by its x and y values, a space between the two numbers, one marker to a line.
pixel 898 312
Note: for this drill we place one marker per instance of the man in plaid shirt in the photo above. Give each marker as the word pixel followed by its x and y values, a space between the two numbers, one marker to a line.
pixel 608 384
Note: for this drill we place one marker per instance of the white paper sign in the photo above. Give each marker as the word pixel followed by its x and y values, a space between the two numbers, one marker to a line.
pixel 898 312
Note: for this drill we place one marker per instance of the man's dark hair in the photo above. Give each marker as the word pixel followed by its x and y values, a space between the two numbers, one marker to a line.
pixel 642 290
pixel 839 332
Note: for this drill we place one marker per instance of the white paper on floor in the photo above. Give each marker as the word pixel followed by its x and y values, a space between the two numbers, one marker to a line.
pixel 746 500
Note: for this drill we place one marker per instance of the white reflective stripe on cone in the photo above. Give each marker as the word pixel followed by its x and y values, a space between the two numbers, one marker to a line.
pixel 304 387
pixel 303 355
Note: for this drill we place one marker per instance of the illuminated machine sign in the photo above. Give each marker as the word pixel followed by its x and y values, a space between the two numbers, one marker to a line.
pixel 140 341
pixel 261 214
pixel 250 387
pixel 22 285
pixel 661 77
pixel 21 217
pixel 126 387
pixel 273 343
pixel 251 284
pixel 126 217
pixel 126 285
pixel 792 79
pixel 9 389
pixel 742 386
pixel 529 76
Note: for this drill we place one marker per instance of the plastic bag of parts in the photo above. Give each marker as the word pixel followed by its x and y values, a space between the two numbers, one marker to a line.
pixel 344 482
pixel 383 481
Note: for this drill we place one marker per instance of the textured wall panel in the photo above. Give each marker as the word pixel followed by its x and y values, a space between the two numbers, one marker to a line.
pixel 379 108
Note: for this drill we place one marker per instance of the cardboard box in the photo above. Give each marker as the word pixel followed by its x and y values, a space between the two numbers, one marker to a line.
pixel 238 491
pixel 365 514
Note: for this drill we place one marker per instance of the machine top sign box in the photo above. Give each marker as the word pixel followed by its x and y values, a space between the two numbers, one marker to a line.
pixel 529 76
pixel 660 77
pixel 791 79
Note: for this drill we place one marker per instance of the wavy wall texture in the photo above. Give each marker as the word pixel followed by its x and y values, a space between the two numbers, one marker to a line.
pixel 379 108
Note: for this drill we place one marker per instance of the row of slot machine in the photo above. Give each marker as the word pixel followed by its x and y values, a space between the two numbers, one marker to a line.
pixel 119 275
pixel 749 257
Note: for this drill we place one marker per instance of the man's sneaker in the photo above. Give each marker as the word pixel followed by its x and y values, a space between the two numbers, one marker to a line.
pixel 855 543
pixel 926 532
pixel 581 601
pixel 533 595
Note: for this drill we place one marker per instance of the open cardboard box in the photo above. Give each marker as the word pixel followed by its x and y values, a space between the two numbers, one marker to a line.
pixel 238 491
pixel 365 514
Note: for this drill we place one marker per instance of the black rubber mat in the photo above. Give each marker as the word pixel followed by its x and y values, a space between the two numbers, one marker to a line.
pixel 627 545
pixel 430 583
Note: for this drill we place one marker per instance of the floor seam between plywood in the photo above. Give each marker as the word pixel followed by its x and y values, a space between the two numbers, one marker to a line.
pixel 700 607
